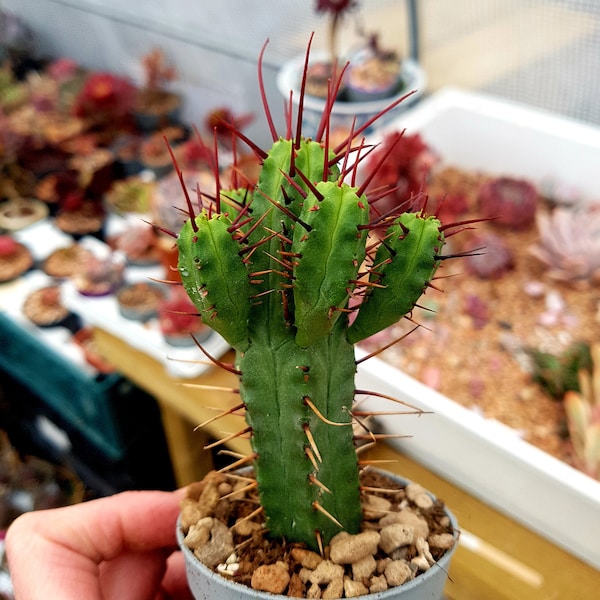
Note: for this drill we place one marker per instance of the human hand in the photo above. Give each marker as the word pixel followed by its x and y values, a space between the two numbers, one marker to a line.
pixel 122 547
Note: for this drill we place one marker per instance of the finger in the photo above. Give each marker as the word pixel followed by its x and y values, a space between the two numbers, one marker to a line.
pixel 102 529
pixel 56 552
pixel 133 575
pixel 175 580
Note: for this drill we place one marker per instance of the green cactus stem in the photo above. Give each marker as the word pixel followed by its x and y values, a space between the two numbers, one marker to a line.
pixel 278 269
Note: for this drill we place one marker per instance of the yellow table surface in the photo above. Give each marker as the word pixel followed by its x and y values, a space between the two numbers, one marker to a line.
pixel 497 559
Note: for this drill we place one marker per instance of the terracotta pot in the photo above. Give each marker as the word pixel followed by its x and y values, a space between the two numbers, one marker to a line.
pixel 168 257
pixel 205 584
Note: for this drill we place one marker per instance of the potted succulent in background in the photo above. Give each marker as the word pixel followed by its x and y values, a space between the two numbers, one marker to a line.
pixel 178 321
pixel 374 73
pixel 105 101
pixel 155 106
pixel 13 93
pixel 286 272
pixel 168 213
pixel 70 77
pixel 582 407
pixel 367 79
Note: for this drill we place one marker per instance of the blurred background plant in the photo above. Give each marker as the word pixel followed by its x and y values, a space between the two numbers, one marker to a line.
pixel 582 407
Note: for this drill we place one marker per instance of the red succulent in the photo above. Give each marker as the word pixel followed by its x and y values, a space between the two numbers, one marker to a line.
pixel 156 70
pixel 72 201
pixel 221 121
pixel 178 315
pixel 406 163
pixel 335 7
pixel 105 95
pixel 8 245
pixel 62 69
pixel 510 202
pixel 489 256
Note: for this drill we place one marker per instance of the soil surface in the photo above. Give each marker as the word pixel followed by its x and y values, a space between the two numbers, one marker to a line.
pixel 474 335
pixel 221 519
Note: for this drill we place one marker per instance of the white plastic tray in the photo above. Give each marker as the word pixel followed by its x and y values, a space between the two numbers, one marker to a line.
pixel 482 456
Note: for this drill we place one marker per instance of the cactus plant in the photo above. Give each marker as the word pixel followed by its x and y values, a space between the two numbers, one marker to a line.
pixel 287 273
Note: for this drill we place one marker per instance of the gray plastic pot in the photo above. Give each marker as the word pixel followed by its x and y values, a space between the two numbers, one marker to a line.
pixel 205 584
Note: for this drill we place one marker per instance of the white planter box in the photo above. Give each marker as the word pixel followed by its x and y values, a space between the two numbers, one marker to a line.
pixel 483 456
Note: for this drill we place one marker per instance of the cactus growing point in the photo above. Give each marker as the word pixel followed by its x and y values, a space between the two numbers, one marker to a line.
pixel 277 269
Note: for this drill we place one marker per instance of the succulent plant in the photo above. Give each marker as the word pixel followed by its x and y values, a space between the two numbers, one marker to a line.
pixel 582 408
pixel 177 316
pixel 490 256
pixel 510 202
pixel 157 72
pixel 277 270
pixel 569 244
pixel 558 374
pixel 154 98
pixel 407 164
pixel 336 9
pixel 104 97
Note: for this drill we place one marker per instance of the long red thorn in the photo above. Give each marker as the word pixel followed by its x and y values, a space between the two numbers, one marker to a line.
pixel 349 149
pixel 227 366
pixel 263 95
pixel 381 162
pixel 289 110
pixel 217 178
pixel 310 185
pixel 326 146
pixel 260 153
pixel 294 184
pixel 332 92
pixel 302 92
pixel 372 120
pixel 179 172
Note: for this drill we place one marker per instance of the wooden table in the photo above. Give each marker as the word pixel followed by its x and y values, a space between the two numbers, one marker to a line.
pixel 497 559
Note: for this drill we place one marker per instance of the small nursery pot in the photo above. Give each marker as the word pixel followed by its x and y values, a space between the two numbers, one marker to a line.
pixel 205 584
pixel 344 113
